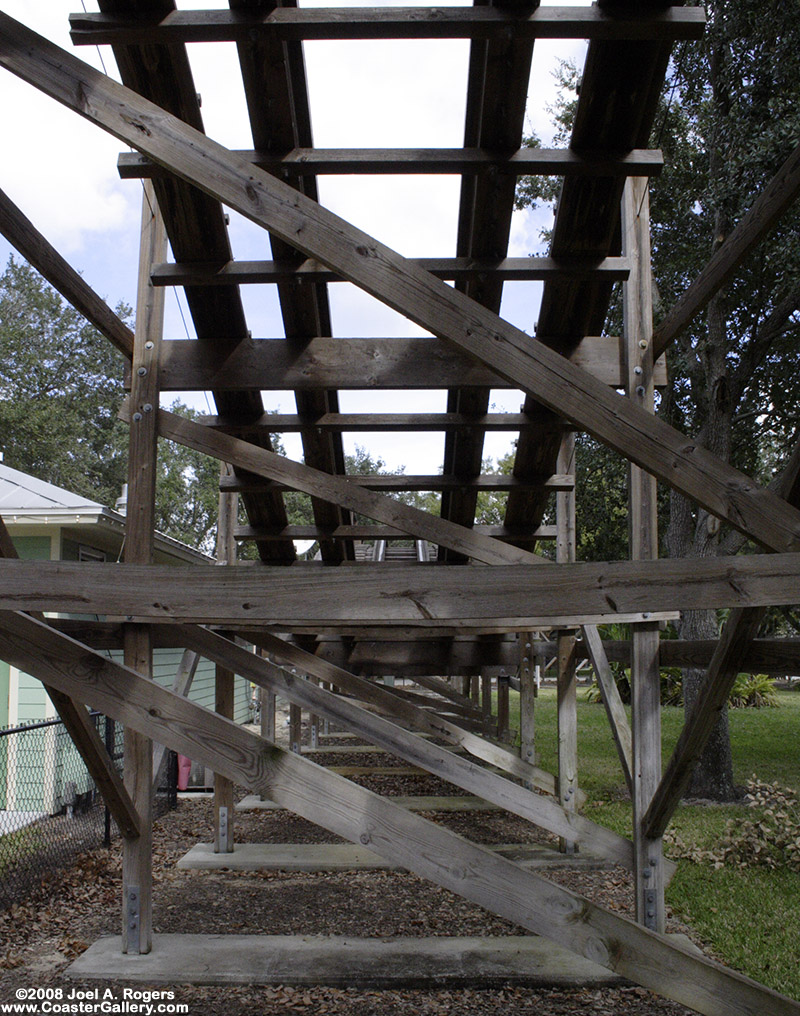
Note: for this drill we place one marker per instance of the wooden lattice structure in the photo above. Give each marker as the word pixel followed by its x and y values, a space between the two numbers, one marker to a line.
pixel 341 625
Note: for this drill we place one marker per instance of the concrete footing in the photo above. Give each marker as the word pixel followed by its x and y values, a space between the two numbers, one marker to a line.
pixel 350 857
pixel 343 962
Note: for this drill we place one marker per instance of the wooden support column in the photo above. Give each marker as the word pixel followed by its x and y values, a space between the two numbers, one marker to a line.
pixel 224 678
pixel 295 728
pixel 643 537
pixel 567 691
pixel 486 700
pixel 503 732
pixel 137 857
pixel 527 698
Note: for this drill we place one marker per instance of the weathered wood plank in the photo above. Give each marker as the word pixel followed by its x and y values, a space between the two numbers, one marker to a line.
pixel 352 363
pixel 403 594
pixel 432 481
pixel 532 269
pixel 286 423
pixel 384 23
pixel 431 851
pixel 381 533
pixel 546 375
pixel 449 161
pixel 33 246
pixel 615 710
pixel 779 194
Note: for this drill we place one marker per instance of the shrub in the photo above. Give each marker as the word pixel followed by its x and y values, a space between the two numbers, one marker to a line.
pixel 753 691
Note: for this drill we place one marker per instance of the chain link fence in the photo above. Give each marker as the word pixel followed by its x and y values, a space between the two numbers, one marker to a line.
pixel 50 808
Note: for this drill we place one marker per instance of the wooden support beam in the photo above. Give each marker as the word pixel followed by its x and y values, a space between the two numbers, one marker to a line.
pixel 383 23
pixel 353 363
pixel 301 597
pixel 532 269
pixel 542 372
pixel 354 813
pixel 615 710
pixel 382 533
pixel 537 808
pixel 527 698
pixel 567 706
pixel 338 490
pixel 224 677
pixel 449 161
pixel 779 194
pixel 137 857
pixel 432 481
pixel 84 735
pixel 291 423
pixel 22 234
pixel 643 545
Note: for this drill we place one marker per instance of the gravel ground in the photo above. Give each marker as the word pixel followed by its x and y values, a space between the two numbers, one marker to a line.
pixel 39 938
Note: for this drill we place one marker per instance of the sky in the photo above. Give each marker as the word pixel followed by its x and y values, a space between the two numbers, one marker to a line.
pixel 61 171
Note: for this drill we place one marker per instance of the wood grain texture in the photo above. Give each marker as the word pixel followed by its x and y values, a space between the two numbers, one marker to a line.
pixel 382 23
pixel 408 595
pixel 348 363
pixel 354 813
pixel 542 372
pixel 449 161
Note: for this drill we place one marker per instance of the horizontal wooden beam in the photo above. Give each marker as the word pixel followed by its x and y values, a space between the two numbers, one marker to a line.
pixel 531 269
pixel 259 533
pixel 432 481
pixel 448 161
pixel 292 423
pixel 779 194
pixel 347 810
pixel 384 23
pixel 413 595
pixel 433 305
pixel 356 363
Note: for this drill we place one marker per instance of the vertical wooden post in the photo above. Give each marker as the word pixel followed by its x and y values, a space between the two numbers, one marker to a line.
pixel 267 715
pixel 527 698
pixel 643 535
pixel 137 854
pixel 224 679
pixel 475 690
pixel 295 727
pixel 503 724
pixel 313 721
pixel 566 688
pixel 486 700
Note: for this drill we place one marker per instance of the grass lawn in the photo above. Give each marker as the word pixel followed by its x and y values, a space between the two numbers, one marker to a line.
pixel 748 918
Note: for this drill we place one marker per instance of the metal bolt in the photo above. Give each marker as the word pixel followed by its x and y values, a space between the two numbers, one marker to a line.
pixel 147 407
pixel 648 872
pixel 137 417
pixel 642 343
pixel 142 371
pixel 651 913
pixel 640 391
pixel 637 370
pixel 148 344
pixel 653 861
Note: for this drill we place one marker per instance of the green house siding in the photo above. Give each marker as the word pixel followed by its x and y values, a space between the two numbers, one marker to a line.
pixel 32 548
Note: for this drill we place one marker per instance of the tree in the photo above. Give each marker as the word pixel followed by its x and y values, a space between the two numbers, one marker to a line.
pixel 729 117
pixel 60 386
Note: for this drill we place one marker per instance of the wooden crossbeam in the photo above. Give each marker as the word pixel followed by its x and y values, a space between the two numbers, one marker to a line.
pixel 356 363
pixel 85 737
pixel 39 252
pixel 547 376
pixel 382 533
pixel 773 201
pixel 239 273
pixel 347 810
pixel 615 710
pixel 290 423
pixel 431 481
pixel 383 23
pixel 303 597
pixel 448 161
